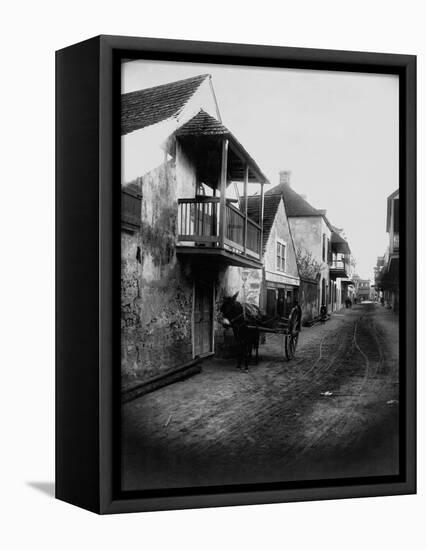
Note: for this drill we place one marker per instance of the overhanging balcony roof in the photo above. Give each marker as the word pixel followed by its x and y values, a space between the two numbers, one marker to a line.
pixel 339 244
pixel 203 136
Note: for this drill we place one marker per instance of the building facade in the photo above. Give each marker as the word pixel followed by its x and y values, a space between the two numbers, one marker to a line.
pixel 362 288
pixel 323 255
pixel 184 242
pixel 279 288
pixel 387 268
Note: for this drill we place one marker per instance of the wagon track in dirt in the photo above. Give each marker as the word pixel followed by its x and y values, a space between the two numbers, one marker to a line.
pixel 368 345
pixel 224 425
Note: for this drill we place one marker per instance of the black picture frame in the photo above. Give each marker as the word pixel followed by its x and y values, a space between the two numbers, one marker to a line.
pixel 87 275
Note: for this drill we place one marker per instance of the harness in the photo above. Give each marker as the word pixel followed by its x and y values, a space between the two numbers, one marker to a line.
pixel 236 317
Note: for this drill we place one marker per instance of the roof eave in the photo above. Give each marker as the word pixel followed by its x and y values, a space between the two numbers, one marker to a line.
pixel 244 156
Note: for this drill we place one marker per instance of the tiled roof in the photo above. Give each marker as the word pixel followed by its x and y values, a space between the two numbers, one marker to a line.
pixel 271 203
pixel 151 105
pixel 203 124
pixel 295 204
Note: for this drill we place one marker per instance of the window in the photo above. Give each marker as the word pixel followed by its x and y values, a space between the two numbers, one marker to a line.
pixel 324 247
pixel 281 249
pixel 131 208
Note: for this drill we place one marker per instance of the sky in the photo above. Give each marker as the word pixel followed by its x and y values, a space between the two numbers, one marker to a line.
pixel 337 132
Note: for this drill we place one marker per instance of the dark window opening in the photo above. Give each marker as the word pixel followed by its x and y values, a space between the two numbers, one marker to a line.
pixel 130 209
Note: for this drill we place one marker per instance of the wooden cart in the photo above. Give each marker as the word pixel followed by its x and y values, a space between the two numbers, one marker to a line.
pixel 289 327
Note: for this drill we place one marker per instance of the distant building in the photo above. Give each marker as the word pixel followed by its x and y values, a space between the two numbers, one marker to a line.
pixel 323 254
pixel 387 268
pixel 362 288
pixel 280 276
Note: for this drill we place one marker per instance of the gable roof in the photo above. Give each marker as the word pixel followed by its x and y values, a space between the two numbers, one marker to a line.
pixel 204 125
pixel 295 204
pixel 270 209
pixel 151 105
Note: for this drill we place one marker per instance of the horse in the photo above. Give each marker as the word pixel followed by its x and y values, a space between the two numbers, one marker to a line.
pixel 246 336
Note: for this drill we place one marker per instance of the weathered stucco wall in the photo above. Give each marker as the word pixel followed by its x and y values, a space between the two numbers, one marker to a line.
pixel 308 299
pixel 338 302
pixel 156 289
pixel 143 150
pixel 307 234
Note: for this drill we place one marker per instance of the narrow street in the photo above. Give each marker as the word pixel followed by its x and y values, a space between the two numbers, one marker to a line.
pixel 331 412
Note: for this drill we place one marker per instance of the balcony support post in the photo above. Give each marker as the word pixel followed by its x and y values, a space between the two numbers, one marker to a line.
pixel 246 175
pixel 262 204
pixel 223 178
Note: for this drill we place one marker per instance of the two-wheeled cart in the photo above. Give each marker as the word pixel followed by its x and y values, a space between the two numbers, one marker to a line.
pixel 289 327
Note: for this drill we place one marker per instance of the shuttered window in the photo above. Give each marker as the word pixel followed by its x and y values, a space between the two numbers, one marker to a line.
pixel 130 209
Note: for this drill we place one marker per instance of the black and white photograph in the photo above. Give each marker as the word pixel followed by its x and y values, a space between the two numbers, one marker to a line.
pixel 212 281
pixel 259 275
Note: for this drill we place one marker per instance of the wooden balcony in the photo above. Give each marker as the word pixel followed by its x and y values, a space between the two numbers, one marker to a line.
pixel 339 268
pixel 219 230
pixel 395 243
pixel 210 226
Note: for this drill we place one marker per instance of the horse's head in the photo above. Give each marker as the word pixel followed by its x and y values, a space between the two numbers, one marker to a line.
pixel 230 309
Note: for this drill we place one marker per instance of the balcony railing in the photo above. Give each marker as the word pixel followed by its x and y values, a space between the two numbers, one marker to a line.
pixel 199 221
pixel 339 264
pixel 339 268
pixel 395 243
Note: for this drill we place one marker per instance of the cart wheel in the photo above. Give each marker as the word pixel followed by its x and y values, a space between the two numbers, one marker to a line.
pixel 291 345
pixel 292 337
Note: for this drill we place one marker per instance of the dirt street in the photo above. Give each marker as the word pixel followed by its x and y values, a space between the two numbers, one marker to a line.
pixel 331 412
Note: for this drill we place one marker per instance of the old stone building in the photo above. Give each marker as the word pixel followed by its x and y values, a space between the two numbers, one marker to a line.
pixel 185 241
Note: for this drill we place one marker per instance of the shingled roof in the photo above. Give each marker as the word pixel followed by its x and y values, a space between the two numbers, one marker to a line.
pixel 271 203
pixel 204 125
pixel 339 243
pixel 295 204
pixel 151 105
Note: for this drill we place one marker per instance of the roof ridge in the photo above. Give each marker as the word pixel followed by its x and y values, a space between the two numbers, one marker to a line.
pixel 202 114
pixel 294 202
pixel 173 82
pixel 148 106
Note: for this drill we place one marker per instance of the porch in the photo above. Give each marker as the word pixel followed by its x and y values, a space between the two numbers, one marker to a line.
pixel 199 223
pixel 340 268
pixel 339 265
pixel 215 223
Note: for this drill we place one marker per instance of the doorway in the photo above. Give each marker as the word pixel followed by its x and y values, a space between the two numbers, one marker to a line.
pixel 203 318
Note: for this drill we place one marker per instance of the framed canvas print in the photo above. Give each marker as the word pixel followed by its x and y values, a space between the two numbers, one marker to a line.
pixel 236 287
